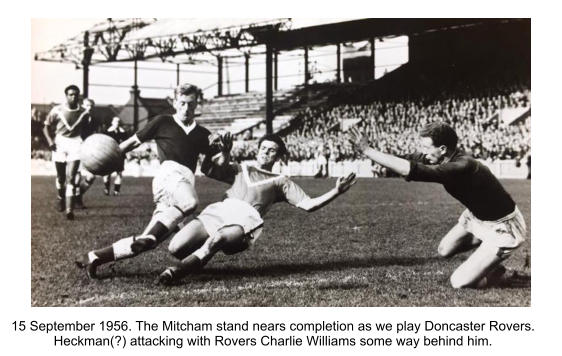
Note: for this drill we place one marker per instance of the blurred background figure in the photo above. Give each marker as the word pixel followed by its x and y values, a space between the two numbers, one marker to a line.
pixel 321 163
pixel 119 134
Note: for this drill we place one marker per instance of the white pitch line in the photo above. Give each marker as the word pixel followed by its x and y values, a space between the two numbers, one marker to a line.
pixel 221 289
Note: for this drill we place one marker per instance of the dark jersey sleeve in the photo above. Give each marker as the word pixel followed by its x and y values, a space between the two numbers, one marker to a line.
pixel 225 173
pixel 149 131
pixel 90 126
pixel 122 135
pixel 439 173
pixel 205 144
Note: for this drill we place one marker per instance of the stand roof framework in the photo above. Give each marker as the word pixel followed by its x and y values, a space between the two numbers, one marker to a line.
pixel 182 40
pixel 122 40
pixel 118 40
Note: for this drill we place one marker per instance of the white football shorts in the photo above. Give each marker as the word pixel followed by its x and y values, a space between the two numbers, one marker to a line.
pixel 507 233
pixel 68 149
pixel 231 212
pixel 173 185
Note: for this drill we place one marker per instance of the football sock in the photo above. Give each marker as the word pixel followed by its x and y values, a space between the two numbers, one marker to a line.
pixel 116 188
pixel 60 188
pixel 122 248
pixel 107 183
pixel 86 184
pixel 119 250
pixel 156 233
pixel 171 217
pixel 61 178
pixel 102 255
pixel 76 185
pixel 69 197
pixel 158 230
pixel 188 264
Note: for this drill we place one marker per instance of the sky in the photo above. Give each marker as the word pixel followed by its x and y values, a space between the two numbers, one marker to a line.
pixel 110 83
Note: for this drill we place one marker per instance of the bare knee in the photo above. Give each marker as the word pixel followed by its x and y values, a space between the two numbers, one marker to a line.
pixel 234 240
pixel 462 279
pixel 175 247
pixel 188 240
pixel 216 241
pixel 189 205
pixel 228 239
pixel 180 249
pixel 458 281
pixel 444 251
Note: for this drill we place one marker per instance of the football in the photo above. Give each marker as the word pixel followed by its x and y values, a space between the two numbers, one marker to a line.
pixel 101 155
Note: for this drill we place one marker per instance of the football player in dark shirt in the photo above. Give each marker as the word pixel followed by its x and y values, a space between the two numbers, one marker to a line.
pixel 492 223
pixel 179 140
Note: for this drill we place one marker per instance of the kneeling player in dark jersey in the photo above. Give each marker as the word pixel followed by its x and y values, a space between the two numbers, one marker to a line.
pixel 234 224
pixel 492 223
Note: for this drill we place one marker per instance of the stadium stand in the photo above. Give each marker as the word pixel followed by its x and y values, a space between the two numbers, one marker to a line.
pixel 243 114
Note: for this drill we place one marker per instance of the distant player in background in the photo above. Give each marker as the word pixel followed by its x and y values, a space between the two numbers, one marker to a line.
pixel 68 120
pixel 119 134
pixel 233 225
pixel 321 163
pixel 492 224
pixel 180 141
pixel 85 179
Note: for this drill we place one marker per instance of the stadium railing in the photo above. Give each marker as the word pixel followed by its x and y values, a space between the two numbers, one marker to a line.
pixel 362 168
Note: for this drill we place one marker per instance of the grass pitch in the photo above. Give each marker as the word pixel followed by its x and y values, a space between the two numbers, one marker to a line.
pixel 374 246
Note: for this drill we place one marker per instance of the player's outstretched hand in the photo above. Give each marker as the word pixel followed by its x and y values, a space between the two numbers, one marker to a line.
pixel 214 139
pixel 226 141
pixel 344 183
pixel 358 140
pixel 221 141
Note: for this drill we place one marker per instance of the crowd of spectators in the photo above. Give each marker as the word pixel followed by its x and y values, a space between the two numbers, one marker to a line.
pixel 392 126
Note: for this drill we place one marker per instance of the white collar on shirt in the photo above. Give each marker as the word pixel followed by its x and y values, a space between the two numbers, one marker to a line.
pixel 186 129
pixel 249 182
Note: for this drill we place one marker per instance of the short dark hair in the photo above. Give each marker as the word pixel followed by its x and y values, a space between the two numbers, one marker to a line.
pixel 441 134
pixel 187 89
pixel 278 140
pixel 71 87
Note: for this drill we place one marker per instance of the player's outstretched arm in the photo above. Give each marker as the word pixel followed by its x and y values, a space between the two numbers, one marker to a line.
pixel 342 185
pixel 129 144
pixel 224 142
pixel 397 164
pixel 218 166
